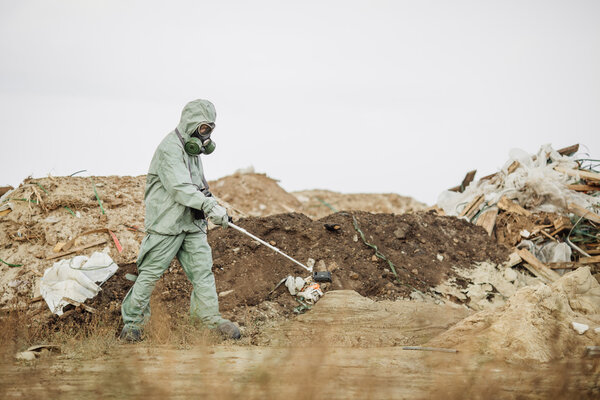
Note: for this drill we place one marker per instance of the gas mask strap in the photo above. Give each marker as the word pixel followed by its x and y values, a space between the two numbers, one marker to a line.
pixel 204 182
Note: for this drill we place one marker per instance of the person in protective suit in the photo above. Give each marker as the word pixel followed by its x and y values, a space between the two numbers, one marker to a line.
pixel 178 205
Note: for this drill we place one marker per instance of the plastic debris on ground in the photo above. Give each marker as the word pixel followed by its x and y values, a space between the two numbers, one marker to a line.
pixel 546 203
pixel 305 290
pixel 78 278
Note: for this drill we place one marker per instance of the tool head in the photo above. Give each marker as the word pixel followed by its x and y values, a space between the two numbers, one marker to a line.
pixel 322 276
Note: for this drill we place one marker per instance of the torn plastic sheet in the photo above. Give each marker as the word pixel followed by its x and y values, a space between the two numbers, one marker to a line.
pixel 75 278
pixel 550 252
pixel 534 185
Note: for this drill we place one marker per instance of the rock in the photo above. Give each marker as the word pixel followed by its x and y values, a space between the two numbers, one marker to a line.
pixel 353 275
pixel 415 271
pixel 510 274
pixel 273 243
pixel 26 355
pixel 580 328
pixel 333 267
pixel 440 257
pixel 355 238
pixel 374 258
pixel 400 234
pixel 321 266
pixel 310 262
pixel 225 293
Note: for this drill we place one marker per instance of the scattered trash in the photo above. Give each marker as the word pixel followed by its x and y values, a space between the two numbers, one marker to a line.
pixel 225 293
pixel 70 211
pixel 10 265
pixel 98 197
pixel 592 352
pixel 36 351
pixel 75 279
pixel 294 284
pixel 580 328
pixel 422 348
pixel 311 293
pixel 545 206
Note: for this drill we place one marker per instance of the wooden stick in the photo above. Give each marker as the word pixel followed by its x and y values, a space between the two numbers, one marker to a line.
pixel 466 181
pixel 593 176
pixel 573 265
pixel 472 206
pixel 570 150
pixel 536 267
pixel 583 212
pixel 78 304
pixel 583 188
pixel 77 250
pixel 487 219
pixel 422 348
pixel 543 232
pixel 508 205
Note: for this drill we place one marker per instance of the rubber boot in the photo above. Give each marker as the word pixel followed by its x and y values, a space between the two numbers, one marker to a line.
pixel 131 335
pixel 229 330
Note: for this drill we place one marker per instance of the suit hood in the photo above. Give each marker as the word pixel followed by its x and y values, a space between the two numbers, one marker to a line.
pixel 195 113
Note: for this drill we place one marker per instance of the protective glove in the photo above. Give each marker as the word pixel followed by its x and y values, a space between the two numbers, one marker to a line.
pixel 218 216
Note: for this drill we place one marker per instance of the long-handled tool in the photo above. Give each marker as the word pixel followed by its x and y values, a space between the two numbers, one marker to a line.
pixel 245 232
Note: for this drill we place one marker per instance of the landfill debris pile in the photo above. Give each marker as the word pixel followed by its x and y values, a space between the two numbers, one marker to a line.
pixel 544 204
pixel 320 203
pixel 541 323
pixel 50 219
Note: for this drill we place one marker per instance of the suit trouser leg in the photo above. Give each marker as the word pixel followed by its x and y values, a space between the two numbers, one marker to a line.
pixel 195 257
pixel 156 253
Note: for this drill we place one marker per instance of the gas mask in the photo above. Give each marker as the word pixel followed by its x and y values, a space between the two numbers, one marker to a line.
pixel 200 141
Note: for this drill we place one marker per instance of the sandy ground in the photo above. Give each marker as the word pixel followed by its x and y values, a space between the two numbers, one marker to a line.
pixel 348 346
pixel 228 371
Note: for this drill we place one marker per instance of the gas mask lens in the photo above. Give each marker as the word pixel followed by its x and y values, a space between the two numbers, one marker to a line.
pixel 204 130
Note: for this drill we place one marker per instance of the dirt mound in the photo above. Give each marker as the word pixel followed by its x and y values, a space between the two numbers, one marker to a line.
pixel 257 195
pixel 254 194
pixel 423 248
pixel 49 211
pixel 535 324
pixel 319 203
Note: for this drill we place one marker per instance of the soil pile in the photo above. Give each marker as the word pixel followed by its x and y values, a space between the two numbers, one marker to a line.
pixel 49 211
pixel 254 194
pixel 257 195
pixel 319 203
pixel 535 324
pixel 422 247
pixel 43 213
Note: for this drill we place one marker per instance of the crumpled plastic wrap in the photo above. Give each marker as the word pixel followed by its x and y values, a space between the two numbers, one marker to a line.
pixel 534 185
pixel 550 252
pixel 75 278
pixel 305 288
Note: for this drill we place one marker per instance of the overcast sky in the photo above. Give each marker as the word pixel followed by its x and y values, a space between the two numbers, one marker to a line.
pixel 352 96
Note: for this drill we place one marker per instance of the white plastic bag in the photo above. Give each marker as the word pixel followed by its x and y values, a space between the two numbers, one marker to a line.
pixel 76 279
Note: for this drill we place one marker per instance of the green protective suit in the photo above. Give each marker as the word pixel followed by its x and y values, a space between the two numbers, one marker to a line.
pixel 173 188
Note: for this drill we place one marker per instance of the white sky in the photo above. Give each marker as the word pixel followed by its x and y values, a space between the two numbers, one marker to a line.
pixel 353 96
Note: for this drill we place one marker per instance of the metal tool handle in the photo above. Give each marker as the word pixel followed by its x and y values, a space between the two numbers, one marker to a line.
pixel 245 232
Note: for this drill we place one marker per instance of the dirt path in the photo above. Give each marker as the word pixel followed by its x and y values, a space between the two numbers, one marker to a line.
pixel 225 372
pixel 347 346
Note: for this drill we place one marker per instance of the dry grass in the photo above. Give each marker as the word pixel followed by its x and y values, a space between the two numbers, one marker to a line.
pixel 181 360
